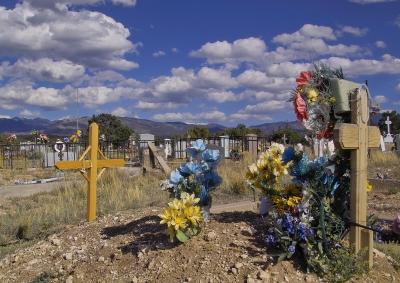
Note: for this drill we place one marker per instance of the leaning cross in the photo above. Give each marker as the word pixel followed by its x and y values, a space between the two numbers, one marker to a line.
pixel 92 164
pixel 358 137
pixel 388 123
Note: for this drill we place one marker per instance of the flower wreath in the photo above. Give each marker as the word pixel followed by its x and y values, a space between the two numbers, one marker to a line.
pixel 313 100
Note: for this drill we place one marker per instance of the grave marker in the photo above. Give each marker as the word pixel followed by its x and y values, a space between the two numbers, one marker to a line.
pixel 92 164
pixel 358 137
pixel 389 137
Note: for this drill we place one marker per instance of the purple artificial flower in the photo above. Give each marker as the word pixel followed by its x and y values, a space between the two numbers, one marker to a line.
pixel 291 250
pixel 270 240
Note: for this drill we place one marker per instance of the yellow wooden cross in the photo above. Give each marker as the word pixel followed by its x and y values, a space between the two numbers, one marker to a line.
pixel 92 164
pixel 358 137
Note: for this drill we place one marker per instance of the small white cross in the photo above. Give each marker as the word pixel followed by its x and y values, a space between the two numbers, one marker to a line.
pixel 388 123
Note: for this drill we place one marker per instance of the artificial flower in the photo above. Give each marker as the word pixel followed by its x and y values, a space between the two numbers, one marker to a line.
pixel 303 79
pixel 300 107
pixel 369 187
pixel 312 95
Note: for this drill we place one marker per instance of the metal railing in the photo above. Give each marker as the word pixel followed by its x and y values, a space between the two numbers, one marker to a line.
pixel 31 155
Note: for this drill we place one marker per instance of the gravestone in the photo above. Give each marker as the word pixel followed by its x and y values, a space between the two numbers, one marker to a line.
pixel 225 145
pixel 167 148
pixel 389 137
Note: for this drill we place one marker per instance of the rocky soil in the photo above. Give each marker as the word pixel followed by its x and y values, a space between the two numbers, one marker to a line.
pixel 131 247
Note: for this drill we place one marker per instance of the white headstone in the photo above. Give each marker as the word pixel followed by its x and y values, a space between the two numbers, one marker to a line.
pixel 225 145
pixel 389 137
pixel 168 148
pixel 382 144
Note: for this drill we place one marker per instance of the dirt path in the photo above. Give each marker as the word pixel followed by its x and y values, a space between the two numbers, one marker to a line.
pixel 26 190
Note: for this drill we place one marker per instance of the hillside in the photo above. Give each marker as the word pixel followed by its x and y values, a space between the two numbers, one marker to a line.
pixel 140 126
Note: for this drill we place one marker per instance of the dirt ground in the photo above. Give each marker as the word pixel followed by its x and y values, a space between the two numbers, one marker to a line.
pixel 131 246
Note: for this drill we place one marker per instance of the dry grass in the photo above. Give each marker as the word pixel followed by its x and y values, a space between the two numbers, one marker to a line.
pixel 381 159
pixel 233 174
pixel 392 250
pixel 40 215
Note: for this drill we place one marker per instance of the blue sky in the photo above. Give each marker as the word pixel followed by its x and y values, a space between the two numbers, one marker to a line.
pixel 218 61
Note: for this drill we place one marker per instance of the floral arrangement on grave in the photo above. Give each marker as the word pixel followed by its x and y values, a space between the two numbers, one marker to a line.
pixel 182 217
pixel 39 137
pixel 313 100
pixel 196 177
pixel 308 198
pixel 12 138
pixel 75 137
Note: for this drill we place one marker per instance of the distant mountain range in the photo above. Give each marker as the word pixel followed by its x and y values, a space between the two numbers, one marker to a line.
pixel 66 127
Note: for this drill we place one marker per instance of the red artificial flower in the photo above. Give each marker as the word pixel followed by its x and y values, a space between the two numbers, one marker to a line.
pixel 326 133
pixel 300 107
pixel 303 78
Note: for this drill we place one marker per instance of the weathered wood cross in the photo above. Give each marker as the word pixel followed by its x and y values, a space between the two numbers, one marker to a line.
pixel 92 164
pixel 358 137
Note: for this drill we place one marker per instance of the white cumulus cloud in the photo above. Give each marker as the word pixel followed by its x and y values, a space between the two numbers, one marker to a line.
pixel 83 37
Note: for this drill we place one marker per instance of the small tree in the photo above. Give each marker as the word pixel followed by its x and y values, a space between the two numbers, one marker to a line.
pixel 112 128
pixel 198 132
pixel 291 136
pixel 394 127
pixel 241 130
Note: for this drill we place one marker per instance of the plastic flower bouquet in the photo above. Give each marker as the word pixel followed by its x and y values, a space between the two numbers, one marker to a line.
pixel 182 217
pixel 197 176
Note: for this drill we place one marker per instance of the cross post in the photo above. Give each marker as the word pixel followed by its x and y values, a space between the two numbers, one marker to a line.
pixel 91 164
pixel 358 137
pixel 388 123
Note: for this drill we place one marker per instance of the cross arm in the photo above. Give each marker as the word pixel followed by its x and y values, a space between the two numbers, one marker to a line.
pixel 347 136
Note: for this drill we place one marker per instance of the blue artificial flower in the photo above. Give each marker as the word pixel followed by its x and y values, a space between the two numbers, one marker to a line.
pixel 270 240
pixel 175 177
pixel 66 140
pixel 198 145
pixel 212 179
pixel 204 196
pixel 210 155
pixel 301 167
pixel 291 250
pixel 288 154
pixel 303 231
pixel 190 168
pixel 287 223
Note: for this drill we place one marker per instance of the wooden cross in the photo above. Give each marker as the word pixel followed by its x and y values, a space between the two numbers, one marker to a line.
pixel 92 164
pixel 358 137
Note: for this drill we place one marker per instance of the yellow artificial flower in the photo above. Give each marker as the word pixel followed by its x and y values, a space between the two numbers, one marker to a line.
pixel 369 187
pixel 179 222
pixel 193 214
pixel 189 200
pixel 167 216
pixel 175 204
pixel 312 95
pixel 279 203
pixel 293 201
pixel 253 169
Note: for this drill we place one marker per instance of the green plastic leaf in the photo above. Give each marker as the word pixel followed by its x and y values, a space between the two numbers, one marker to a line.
pixel 282 256
pixel 181 236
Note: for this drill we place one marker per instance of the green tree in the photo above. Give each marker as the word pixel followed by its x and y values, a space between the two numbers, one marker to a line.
pixel 112 128
pixel 198 132
pixel 394 127
pixel 241 130
pixel 292 137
